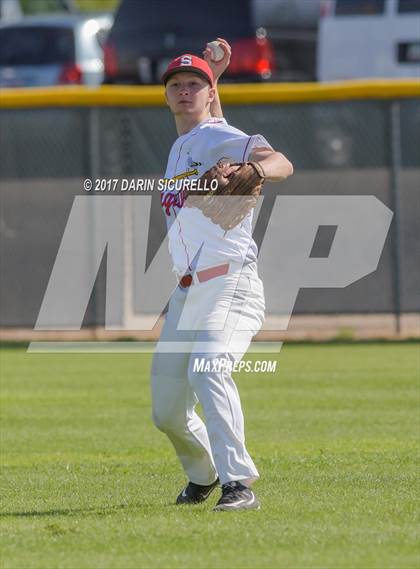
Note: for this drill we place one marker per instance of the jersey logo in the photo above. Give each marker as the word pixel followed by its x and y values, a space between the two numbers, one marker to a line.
pixel 186 60
pixel 186 174
pixel 191 163
pixel 170 199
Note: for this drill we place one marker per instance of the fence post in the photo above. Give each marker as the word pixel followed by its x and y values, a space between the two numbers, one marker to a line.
pixel 395 146
pixel 94 173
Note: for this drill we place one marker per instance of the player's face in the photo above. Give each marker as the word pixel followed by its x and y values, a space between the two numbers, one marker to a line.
pixel 188 94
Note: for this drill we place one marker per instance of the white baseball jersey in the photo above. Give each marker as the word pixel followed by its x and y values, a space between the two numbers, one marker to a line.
pixel 196 242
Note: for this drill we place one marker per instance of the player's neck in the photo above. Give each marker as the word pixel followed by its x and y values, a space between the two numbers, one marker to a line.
pixel 185 123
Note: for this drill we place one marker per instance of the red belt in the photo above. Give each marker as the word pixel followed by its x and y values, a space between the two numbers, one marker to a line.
pixel 204 275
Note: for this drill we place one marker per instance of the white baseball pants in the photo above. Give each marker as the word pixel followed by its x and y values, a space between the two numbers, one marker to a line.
pixel 219 319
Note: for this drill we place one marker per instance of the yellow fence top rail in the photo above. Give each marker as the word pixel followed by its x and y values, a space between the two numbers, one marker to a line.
pixel 232 94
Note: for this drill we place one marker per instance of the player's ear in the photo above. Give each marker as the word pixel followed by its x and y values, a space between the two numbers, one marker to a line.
pixel 212 94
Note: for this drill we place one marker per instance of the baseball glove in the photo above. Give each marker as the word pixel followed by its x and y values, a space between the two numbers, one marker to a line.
pixel 241 182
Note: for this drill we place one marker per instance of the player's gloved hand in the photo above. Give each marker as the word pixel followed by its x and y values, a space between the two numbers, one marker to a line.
pixel 238 187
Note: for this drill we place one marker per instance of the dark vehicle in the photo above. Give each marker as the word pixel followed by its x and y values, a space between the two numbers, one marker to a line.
pixel 147 35
pixel 292 26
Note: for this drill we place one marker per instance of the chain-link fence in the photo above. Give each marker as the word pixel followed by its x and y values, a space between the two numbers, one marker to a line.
pixel 350 147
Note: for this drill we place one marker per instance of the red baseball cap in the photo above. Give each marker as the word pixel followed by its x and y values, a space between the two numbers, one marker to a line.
pixel 188 62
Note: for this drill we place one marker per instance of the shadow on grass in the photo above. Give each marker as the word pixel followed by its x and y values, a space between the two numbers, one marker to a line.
pixel 338 340
pixel 77 511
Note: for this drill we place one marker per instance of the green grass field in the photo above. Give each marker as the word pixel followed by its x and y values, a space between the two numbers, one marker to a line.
pixel 89 482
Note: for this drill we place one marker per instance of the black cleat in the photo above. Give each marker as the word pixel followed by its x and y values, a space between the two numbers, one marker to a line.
pixel 236 496
pixel 195 493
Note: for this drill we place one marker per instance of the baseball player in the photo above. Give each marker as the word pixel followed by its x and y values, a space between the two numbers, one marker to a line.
pixel 218 305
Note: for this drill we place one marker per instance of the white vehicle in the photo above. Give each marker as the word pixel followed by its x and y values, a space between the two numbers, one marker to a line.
pixel 10 10
pixel 53 49
pixel 368 38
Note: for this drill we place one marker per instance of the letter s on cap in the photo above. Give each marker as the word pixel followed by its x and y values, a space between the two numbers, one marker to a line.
pixel 186 60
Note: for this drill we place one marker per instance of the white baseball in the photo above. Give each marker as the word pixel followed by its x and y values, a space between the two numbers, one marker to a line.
pixel 217 53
